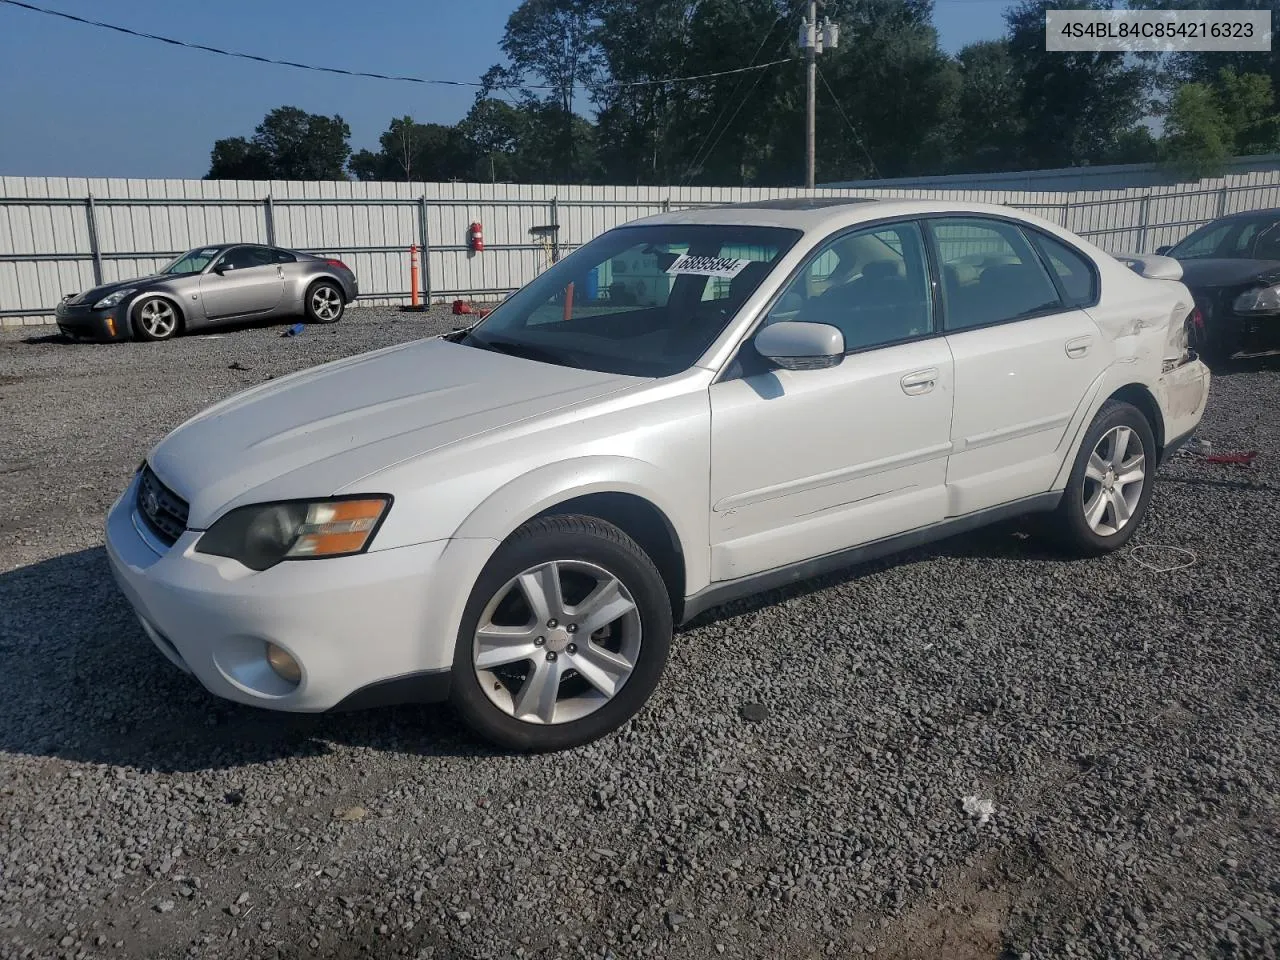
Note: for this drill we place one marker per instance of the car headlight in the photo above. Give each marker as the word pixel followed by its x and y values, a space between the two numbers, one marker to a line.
pixel 262 535
pixel 111 299
pixel 1259 300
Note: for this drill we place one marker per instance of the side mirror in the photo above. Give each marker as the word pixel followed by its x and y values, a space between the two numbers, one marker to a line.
pixel 1162 251
pixel 796 345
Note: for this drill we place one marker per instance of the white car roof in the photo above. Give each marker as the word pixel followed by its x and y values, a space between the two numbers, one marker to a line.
pixel 828 213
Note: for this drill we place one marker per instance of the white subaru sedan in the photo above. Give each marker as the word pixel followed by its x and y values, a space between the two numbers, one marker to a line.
pixel 689 408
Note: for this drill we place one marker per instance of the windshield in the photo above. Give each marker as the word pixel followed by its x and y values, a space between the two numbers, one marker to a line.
pixel 641 301
pixel 1244 238
pixel 193 261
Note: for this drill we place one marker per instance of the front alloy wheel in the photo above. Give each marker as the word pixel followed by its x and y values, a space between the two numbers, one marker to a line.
pixel 155 319
pixel 557 642
pixel 564 637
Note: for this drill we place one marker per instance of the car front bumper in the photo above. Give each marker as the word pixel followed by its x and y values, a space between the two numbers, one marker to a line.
pixel 358 626
pixel 109 324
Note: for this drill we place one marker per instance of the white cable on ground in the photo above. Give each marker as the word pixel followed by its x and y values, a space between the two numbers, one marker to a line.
pixel 1190 556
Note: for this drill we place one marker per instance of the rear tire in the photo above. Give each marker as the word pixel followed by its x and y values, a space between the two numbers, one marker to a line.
pixel 564 638
pixel 1110 484
pixel 325 302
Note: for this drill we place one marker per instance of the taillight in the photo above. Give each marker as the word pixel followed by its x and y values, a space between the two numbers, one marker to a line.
pixel 1197 319
pixel 337 263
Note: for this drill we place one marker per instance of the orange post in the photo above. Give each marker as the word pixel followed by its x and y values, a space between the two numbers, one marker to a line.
pixel 568 302
pixel 413 275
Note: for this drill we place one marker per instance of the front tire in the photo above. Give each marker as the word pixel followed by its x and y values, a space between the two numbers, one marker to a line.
pixel 155 319
pixel 564 638
pixel 1111 483
pixel 325 302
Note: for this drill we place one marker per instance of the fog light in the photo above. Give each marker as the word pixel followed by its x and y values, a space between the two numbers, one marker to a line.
pixel 285 666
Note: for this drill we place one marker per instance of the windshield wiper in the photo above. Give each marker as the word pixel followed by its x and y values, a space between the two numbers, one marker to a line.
pixel 514 349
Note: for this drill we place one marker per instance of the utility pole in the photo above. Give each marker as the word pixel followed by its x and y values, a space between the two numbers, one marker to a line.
pixel 813 39
pixel 811 93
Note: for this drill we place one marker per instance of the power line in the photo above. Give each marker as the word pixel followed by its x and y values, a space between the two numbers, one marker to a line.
pixel 360 73
pixel 698 158
pixel 852 128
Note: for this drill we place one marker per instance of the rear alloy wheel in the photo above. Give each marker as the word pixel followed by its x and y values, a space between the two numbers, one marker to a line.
pixel 1110 485
pixel 325 303
pixel 155 318
pixel 565 636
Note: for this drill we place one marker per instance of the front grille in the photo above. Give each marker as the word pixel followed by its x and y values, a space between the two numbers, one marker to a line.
pixel 163 510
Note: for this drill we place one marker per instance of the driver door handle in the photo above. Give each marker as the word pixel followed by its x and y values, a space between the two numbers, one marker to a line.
pixel 921 381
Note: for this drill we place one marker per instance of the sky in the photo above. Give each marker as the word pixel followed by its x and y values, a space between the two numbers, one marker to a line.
pixel 80 101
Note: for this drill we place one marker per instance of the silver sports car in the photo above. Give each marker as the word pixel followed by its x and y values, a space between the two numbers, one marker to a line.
pixel 220 283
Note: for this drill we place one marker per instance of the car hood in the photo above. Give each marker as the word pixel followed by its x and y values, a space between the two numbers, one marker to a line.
pixel 97 293
pixel 316 431
pixel 1223 272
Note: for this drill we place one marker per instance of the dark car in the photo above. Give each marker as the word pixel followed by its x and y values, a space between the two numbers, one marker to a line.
pixel 216 284
pixel 1232 267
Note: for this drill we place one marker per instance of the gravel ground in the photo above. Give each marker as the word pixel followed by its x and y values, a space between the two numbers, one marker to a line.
pixel 794 790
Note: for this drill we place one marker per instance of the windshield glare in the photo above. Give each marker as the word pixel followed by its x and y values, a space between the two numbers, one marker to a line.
pixel 641 301
pixel 193 261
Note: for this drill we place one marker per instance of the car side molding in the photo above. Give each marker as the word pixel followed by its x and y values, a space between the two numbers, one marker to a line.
pixel 727 590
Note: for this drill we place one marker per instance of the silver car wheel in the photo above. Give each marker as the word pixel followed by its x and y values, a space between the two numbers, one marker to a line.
pixel 158 319
pixel 1113 481
pixel 557 642
pixel 326 304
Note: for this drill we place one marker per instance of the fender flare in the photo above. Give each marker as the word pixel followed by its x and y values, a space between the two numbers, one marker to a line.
pixel 519 500
pixel 1110 382
pixel 500 514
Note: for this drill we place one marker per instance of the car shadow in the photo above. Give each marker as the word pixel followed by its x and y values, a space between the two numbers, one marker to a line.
pixel 83 682
pixel 1018 538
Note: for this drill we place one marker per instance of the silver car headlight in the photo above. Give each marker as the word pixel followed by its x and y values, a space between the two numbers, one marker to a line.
pixel 1259 300
pixel 111 299
pixel 264 534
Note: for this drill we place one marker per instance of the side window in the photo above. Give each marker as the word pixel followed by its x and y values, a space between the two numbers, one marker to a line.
pixel 283 256
pixel 990 274
pixel 873 284
pixel 242 258
pixel 1204 245
pixel 1075 272
pixel 1267 246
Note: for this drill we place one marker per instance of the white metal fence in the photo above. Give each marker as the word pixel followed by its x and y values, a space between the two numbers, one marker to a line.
pixel 59 235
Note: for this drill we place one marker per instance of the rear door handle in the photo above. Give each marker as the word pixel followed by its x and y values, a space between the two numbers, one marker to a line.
pixel 921 381
pixel 1079 347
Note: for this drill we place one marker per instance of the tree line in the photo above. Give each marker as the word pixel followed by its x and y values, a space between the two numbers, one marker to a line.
pixel 576 102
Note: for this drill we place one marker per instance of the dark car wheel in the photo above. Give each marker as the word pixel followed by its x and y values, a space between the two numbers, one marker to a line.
pixel 325 302
pixel 1110 485
pixel 155 318
pixel 564 637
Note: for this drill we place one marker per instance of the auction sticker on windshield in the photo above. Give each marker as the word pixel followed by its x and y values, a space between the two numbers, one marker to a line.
pixel 707 266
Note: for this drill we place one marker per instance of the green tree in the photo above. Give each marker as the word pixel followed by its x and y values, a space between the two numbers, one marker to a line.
pixel 1077 107
pixel 552 42
pixel 415 151
pixel 1196 140
pixel 289 144
pixel 236 158
pixel 1207 124
pixel 988 130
